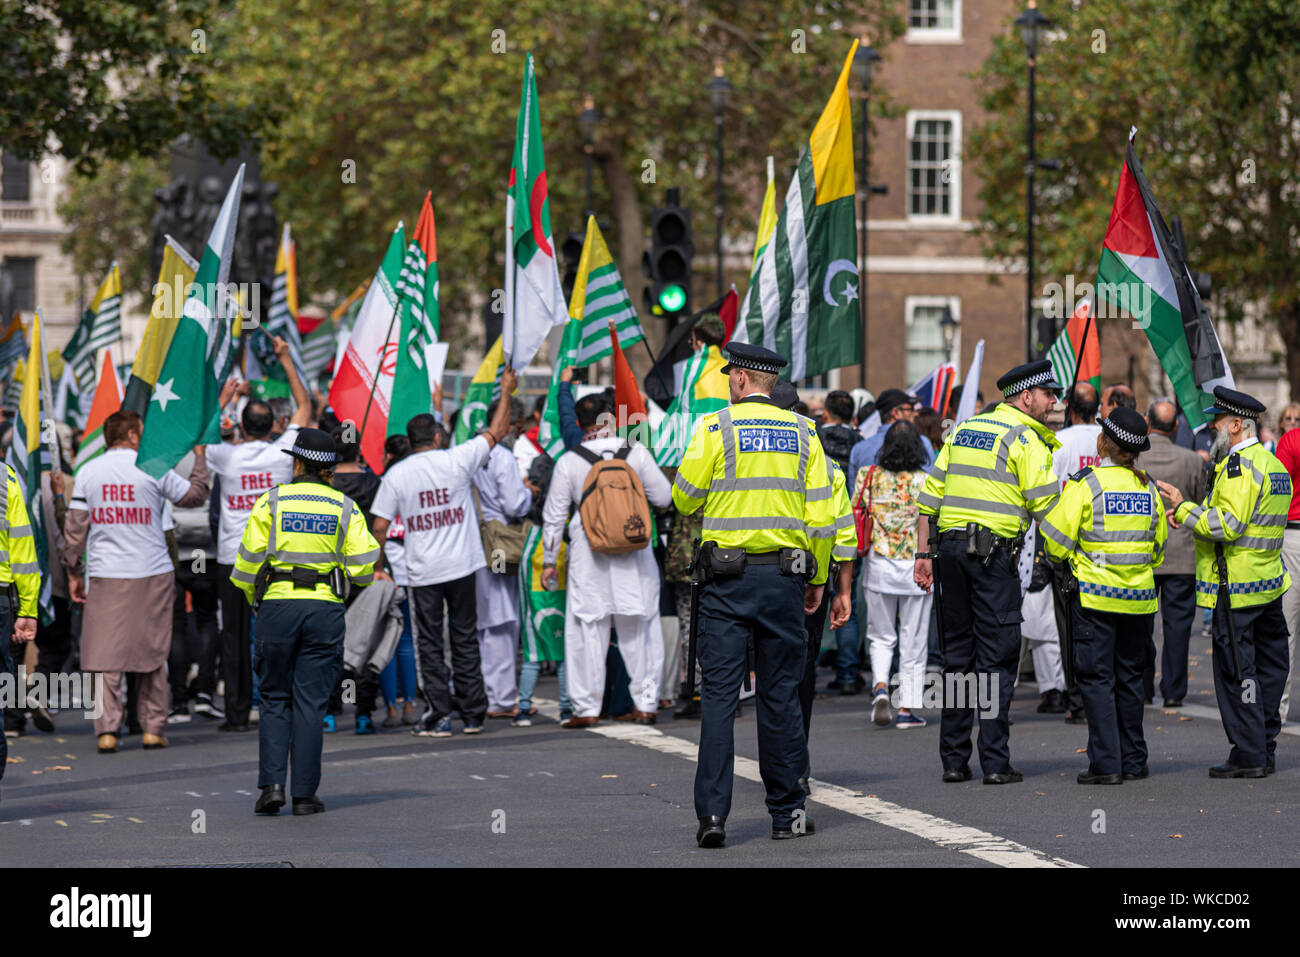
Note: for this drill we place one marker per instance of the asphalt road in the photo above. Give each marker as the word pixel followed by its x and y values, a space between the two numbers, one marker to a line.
pixel 622 795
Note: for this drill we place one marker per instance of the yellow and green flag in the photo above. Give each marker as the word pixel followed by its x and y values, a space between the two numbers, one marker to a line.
pixel 169 294
pixel 482 390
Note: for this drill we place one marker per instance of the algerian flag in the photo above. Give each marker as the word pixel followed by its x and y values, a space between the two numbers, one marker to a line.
pixel 599 297
pixel 802 299
pixel 1078 338
pixel 183 410
pixel 418 287
pixel 100 327
pixel 108 399
pixel 1142 271
pixel 282 317
pixel 28 457
pixel 483 388
pixel 704 390
pixel 534 298
pixel 541 628
pixel 170 292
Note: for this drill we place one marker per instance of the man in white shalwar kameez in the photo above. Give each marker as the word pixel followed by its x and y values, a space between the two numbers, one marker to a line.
pixel 605 590
pixel 503 497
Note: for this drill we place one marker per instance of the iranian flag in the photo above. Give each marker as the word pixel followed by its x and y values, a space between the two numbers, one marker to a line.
pixel 183 410
pixel 534 298
pixel 418 287
pixel 362 390
pixel 1079 339
pixel 1143 272
pixel 108 399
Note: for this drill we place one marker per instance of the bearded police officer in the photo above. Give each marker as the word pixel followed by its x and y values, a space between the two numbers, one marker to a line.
pixel 303 544
pixel 760 475
pixel 1239 573
pixel 992 477
pixel 1110 526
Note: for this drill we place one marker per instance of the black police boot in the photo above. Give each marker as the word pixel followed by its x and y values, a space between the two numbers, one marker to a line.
pixel 788 831
pixel 1145 772
pixel 1229 770
pixel 1087 777
pixel 271 801
pixel 311 805
pixel 1052 702
pixel 1009 776
pixel 691 709
pixel 712 832
pixel 956 775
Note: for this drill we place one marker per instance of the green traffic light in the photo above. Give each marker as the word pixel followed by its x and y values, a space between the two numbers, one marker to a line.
pixel 672 298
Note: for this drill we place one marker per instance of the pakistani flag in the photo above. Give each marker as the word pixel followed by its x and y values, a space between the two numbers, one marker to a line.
pixel 483 388
pixel 534 297
pixel 418 287
pixel 28 457
pixel 600 298
pixel 100 327
pixel 183 410
pixel 802 298
pixel 282 318
pixel 704 390
pixel 170 292
pixel 1143 273
pixel 541 631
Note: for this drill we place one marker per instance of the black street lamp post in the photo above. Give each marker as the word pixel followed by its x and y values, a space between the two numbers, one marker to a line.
pixel 948 328
pixel 1031 24
pixel 718 88
pixel 588 118
pixel 864 64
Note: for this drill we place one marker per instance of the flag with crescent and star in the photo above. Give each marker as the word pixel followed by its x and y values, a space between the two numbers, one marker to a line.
pixel 802 300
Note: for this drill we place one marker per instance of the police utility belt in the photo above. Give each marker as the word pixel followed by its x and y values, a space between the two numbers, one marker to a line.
pixel 712 562
pixel 982 543
pixel 309 578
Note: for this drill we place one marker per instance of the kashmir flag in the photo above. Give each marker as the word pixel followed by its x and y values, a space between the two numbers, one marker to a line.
pixel 317 351
pixel 542 626
pixel 1143 272
pixel 483 388
pixel 802 298
pixel 100 327
pixel 704 390
pixel 363 380
pixel 549 435
pixel 28 457
pixel 183 410
pixel 1079 338
pixel 67 395
pixel 170 292
pixel 534 297
pixel 418 287
pixel 600 298
pixel 108 399
pixel 282 317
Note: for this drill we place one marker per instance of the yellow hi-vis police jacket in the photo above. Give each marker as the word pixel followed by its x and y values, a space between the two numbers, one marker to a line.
pixel 1110 526
pixel 843 547
pixel 760 474
pixel 18 562
pixel 305 524
pixel 1245 511
pixel 995 470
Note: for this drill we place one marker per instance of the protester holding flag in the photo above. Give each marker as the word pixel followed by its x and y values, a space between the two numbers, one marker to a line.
pixel 127 583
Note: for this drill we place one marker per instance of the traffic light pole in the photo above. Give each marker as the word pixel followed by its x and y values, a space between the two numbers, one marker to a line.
pixel 717 207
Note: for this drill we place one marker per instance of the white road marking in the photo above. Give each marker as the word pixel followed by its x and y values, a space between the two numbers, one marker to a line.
pixel 948 834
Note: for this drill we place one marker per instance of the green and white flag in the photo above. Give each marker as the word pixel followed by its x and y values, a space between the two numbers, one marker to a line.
pixel 802 300
pixel 100 327
pixel 549 435
pixel 541 629
pixel 599 296
pixel 704 390
pixel 418 288
pixel 29 456
pixel 183 410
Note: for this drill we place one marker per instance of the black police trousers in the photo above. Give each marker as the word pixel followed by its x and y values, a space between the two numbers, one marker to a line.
pixel 298 654
pixel 1110 654
pixel 981 649
pixel 1249 708
pixel 769 604
pixel 7 667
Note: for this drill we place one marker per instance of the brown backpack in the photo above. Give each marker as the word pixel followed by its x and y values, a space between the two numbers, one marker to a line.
pixel 614 510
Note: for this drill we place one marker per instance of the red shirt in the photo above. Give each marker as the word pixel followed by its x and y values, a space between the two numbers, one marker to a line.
pixel 1288 453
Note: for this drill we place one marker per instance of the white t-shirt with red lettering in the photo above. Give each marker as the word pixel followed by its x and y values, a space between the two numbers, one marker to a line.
pixel 1078 448
pixel 431 491
pixel 246 471
pixel 126 515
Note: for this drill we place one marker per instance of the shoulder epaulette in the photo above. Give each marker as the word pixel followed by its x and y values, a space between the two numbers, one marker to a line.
pixel 1233 468
pixel 1083 473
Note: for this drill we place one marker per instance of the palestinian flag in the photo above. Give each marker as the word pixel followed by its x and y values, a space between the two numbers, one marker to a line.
pixel 363 380
pixel 282 318
pixel 108 399
pixel 600 298
pixel 28 457
pixel 534 296
pixel 174 279
pixel 483 388
pixel 542 623
pixel 1078 338
pixel 183 410
pixel 802 298
pixel 418 287
pixel 704 390
pixel 100 327
pixel 1143 272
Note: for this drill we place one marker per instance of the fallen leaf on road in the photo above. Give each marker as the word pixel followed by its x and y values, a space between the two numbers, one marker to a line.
pixel 609 775
pixel 1080 750
pixel 1184 719
pixel 38 772
pixel 13 760
pixel 1039 793
pixel 1175 835
pixel 61 823
pixel 59 767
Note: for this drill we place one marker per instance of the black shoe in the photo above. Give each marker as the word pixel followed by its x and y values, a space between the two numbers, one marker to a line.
pixel 833 685
pixel 1076 717
pixel 956 775
pixel 1173 702
pixel 1137 775
pixel 788 832
pixel 41 718
pixel 1229 770
pixel 851 688
pixel 691 709
pixel 712 832
pixel 227 726
pixel 1270 769
pixel 1087 777
pixel 1009 776
pixel 311 805
pixel 804 786
pixel 271 801
pixel 1052 702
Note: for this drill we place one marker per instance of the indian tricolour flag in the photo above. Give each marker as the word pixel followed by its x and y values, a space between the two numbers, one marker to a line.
pixel 802 300
pixel 599 298
pixel 534 297
pixel 108 399
pixel 1143 272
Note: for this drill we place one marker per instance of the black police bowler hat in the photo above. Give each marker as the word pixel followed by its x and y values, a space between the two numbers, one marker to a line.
pixel 1127 429
pixel 1031 375
pixel 742 355
pixel 315 446
pixel 1231 402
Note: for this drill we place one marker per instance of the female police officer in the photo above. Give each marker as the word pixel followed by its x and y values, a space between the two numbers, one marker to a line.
pixel 1110 526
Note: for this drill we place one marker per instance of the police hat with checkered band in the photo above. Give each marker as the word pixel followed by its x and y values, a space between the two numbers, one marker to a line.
pixel 314 446
pixel 1231 402
pixel 742 355
pixel 1029 376
pixel 1126 428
